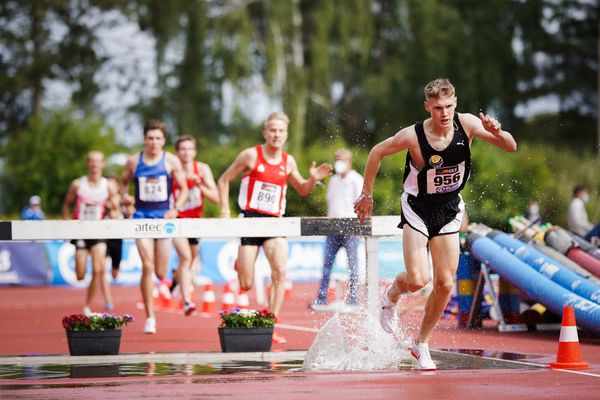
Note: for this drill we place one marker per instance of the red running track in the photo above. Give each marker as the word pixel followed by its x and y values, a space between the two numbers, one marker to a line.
pixel 31 325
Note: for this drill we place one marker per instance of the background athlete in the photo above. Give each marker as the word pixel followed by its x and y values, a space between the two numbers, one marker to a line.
pixel 90 194
pixel 266 170
pixel 153 171
pixel 201 184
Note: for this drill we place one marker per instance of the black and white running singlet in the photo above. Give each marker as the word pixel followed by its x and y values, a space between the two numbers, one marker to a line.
pixel 431 203
pixel 445 172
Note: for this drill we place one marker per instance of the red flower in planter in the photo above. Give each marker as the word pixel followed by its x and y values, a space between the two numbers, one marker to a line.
pixel 95 322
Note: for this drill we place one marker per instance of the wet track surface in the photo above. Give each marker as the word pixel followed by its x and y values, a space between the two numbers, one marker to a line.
pixel 184 360
pixel 455 359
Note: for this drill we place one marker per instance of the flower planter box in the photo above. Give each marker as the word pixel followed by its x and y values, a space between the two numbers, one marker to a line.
pixel 94 343
pixel 245 339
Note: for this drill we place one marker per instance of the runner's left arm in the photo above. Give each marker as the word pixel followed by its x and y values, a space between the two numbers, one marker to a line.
pixel 114 200
pixel 305 186
pixel 178 176
pixel 489 129
pixel 208 185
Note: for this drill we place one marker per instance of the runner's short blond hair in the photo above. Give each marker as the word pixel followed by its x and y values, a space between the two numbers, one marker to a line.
pixel 277 115
pixel 440 87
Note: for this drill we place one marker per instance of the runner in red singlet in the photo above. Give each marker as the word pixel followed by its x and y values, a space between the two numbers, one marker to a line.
pixel 201 185
pixel 266 170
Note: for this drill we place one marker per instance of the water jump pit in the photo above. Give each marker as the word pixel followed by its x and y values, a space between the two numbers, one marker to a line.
pixel 346 342
pixel 203 364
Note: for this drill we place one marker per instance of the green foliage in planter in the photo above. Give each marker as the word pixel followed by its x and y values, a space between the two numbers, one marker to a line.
pixel 242 318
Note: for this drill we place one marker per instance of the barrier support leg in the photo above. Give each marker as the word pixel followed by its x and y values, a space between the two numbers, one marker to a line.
pixel 474 320
pixel 372 272
pixel 475 316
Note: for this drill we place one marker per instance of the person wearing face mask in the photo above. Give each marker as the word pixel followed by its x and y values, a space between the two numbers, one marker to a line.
pixel 533 212
pixel 343 188
pixel 577 217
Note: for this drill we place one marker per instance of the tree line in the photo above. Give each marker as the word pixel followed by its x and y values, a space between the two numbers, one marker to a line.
pixel 348 72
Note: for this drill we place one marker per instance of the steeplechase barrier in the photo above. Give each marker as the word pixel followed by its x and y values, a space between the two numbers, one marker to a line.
pixel 372 229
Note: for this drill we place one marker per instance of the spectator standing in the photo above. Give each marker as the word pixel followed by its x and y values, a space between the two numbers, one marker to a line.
pixel 343 188
pixel 577 217
pixel 533 213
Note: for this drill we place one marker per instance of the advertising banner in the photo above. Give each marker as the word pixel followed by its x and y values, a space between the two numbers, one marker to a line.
pixel 23 263
pixel 218 256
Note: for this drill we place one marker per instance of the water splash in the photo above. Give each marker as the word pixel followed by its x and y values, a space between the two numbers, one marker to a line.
pixel 356 342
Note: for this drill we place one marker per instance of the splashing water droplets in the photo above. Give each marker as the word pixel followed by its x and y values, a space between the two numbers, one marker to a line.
pixel 356 342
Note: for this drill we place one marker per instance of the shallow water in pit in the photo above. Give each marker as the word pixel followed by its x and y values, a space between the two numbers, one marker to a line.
pixel 356 342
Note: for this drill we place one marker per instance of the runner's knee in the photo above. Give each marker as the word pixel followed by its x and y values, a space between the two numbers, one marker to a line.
pixel 160 274
pixel 245 284
pixel 278 274
pixel 414 287
pixel 416 284
pixel 443 285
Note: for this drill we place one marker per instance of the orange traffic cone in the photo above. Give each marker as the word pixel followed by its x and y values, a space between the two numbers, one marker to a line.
pixel 208 299
pixel 228 302
pixel 569 355
pixel 242 300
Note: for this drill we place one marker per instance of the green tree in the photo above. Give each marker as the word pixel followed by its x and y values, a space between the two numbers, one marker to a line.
pixel 558 52
pixel 42 41
pixel 188 96
pixel 48 154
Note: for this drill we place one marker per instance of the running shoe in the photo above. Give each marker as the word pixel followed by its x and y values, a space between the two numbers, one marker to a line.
pixel 174 284
pixel 350 308
pixel 277 338
pixel 188 309
pixel 109 307
pixel 150 326
pixel 421 353
pixel 321 307
pixel 388 309
pixel 87 311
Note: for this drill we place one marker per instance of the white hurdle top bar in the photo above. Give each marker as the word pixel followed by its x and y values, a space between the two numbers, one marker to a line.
pixel 198 227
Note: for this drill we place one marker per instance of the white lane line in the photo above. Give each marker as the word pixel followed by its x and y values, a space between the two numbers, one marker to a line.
pixel 282 326
pixel 173 358
pixel 531 364
pixel 577 372
pixel 297 328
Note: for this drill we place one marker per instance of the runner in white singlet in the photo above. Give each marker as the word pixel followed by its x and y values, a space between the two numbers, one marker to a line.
pixel 90 194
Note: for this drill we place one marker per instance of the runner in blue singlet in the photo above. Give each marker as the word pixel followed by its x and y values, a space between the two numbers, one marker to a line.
pixel 153 170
